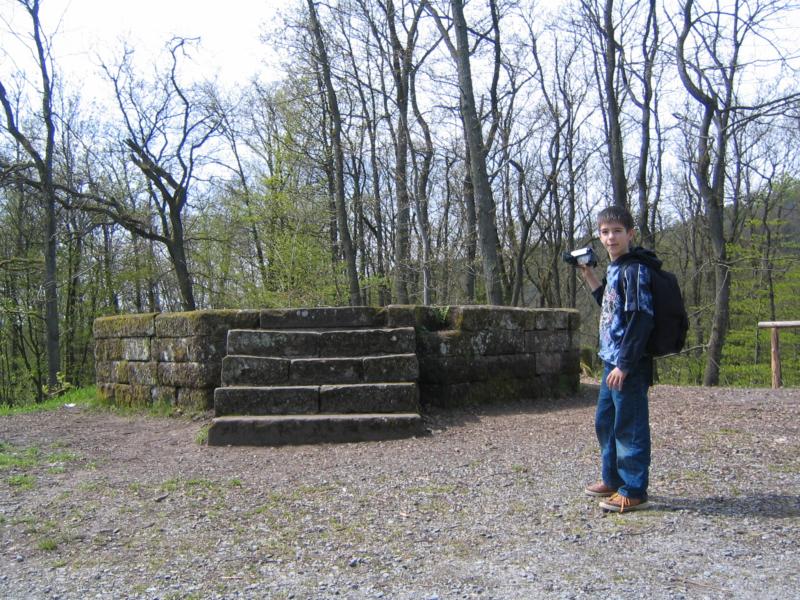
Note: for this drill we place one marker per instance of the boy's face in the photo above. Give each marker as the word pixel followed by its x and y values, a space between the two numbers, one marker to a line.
pixel 616 239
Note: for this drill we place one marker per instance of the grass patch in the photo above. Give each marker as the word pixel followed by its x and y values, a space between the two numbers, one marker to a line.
pixel 47 545
pixel 201 439
pixel 22 482
pixel 12 457
pixel 79 397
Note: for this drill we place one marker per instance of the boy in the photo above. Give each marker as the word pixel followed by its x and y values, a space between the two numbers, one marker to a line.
pixel 626 320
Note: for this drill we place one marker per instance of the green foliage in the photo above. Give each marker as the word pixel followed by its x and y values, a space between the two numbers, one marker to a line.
pixel 22 481
pixel 79 397
pixel 765 286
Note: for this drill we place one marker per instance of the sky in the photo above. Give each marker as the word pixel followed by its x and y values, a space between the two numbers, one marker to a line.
pixel 82 30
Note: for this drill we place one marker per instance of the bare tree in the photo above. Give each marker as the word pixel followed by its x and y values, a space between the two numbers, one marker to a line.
pixel 323 63
pixel 709 57
pixel 41 153
pixel 607 64
pixel 473 133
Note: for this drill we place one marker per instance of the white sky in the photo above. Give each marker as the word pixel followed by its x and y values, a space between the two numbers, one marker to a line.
pixel 230 48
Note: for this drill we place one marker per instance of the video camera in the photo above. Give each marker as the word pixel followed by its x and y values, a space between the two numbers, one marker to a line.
pixel 583 256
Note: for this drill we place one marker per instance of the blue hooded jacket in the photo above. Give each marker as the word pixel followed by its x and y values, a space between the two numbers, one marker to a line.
pixel 626 316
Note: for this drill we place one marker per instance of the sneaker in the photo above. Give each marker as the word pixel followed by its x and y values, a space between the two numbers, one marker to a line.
pixel 599 490
pixel 620 504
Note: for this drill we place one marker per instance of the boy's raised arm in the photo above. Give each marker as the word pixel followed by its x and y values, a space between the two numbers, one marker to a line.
pixel 589 277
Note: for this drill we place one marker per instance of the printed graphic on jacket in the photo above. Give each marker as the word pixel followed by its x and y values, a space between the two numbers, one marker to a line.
pixel 637 297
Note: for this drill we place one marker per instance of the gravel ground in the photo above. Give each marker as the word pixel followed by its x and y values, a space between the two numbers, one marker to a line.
pixel 489 505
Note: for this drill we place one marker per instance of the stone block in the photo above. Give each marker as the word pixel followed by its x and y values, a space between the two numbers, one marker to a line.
pixel 548 363
pixel 324 317
pixel 566 362
pixel 279 430
pixel 571 362
pixel 482 318
pixel 443 395
pixel 111 371
pixel 266 400
pixel 137 396
pixel 391 368
pixel 214 323
pixel 188 349
pixel 164 393
pixel 471 343
pixel 547 341
pixel 189 374
pixel 446 369
pixel 110 349
pixel 310 371
pixel 121 326
pixel 195 399
pixel 555 318
pixel 105 392
pixel 256 342
pixel 369 398
pixel 430 318
pixel 506 390
pixel 484 392
pixel 136 349
pixel 254 370
pixel 102 372
pixel 507 366
pixel 143 373
pixel 120 371
pixel 367 342
pixel 443 343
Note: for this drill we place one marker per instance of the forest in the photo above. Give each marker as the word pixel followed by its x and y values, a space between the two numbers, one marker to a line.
pixel 415 151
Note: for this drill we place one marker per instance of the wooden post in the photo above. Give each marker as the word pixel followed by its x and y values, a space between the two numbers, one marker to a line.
pixel 776 359
pixel 776 348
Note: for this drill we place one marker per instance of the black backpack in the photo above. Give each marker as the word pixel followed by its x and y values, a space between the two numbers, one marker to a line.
pixel 670 321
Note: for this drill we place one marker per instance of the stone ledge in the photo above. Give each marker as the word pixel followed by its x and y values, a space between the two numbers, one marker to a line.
pixel 312 429
pixel 204 322
pixel 119 326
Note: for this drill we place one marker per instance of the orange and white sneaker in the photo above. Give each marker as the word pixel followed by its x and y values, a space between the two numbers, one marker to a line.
pixel 620 504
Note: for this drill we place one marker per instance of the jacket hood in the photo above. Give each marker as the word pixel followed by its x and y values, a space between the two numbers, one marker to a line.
pixel 643 255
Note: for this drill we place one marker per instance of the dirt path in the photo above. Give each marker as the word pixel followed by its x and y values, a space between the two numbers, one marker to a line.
pixel 489 505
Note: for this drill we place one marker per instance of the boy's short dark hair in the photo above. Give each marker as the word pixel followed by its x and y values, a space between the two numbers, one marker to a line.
pixel 616 214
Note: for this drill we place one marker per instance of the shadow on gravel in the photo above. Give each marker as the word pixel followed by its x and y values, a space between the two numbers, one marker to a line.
pixel 441 418
pixel 776 506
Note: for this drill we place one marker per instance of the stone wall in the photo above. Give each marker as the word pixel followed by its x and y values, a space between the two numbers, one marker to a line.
pixel 481 354
pixel 168 357
pixel 467 354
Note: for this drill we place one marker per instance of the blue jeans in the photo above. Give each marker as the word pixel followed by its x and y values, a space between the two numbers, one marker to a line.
pixel 622 423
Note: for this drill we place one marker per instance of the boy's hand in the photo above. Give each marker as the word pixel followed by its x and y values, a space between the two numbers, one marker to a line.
pixel 589 277
pixel 615 379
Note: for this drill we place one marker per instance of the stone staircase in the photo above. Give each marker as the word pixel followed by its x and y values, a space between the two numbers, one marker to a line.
pixel 317 375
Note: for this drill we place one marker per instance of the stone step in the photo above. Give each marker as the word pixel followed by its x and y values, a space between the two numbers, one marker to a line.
pixel 312 429
pixel 324 317
pixel 264 371
pixel 266 400
pixel 321 343
pixel 345 399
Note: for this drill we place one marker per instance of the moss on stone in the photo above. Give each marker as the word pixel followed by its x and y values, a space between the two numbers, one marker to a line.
pixel 204 322
pixel 119 326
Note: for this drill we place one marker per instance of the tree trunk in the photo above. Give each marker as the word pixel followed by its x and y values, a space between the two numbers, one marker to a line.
pixel 338 157
pixel 487 229
pixel 177 252
pixel 619 184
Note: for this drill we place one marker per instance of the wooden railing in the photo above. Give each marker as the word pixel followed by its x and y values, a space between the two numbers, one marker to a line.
pixel 775 326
